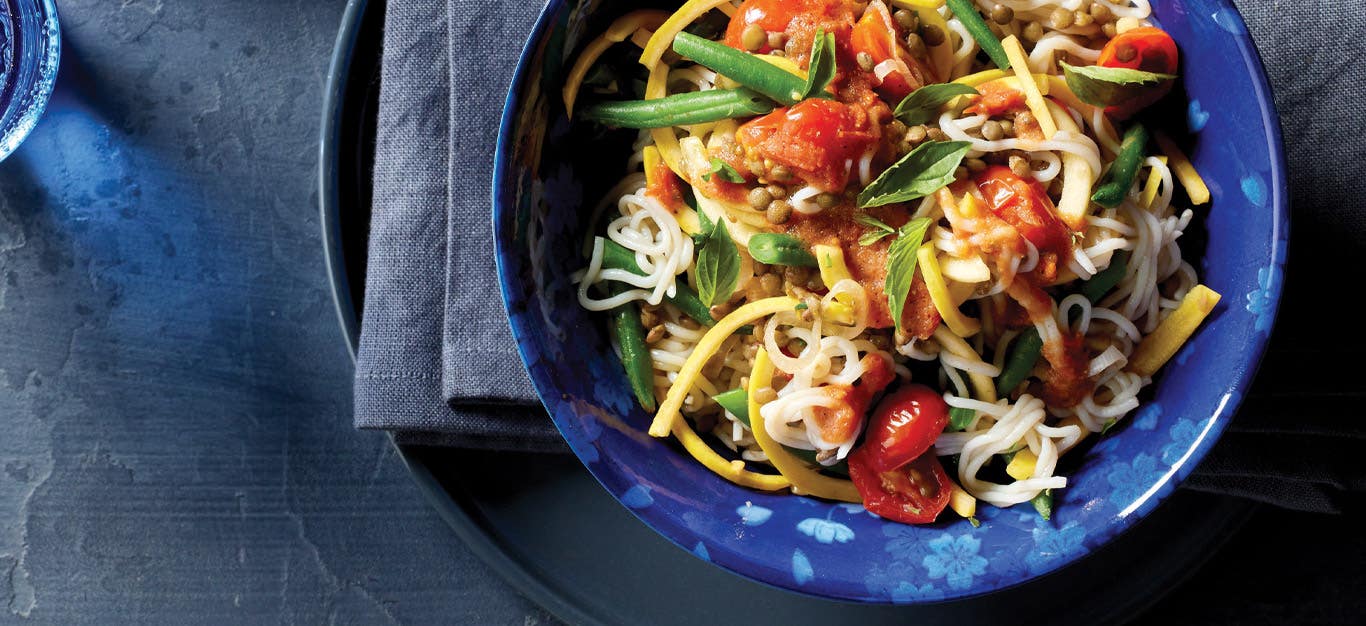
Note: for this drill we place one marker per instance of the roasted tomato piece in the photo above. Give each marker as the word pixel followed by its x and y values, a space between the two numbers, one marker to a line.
pixel 1149 49
pixel 915 493
pixel 797 20
pixel 1026 206
pixel 815 140
pixel 904 426
pixel 842 422
pixel 997 98
pixel 896 72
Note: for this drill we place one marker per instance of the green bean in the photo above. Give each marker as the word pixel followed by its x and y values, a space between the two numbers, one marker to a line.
pixel 737 402
pixel 977 27
pixel 635 355
pixel 1097 286
pixel 959 418
pixel 744 68
pixel 780 249
pixel 616 256
pixel 1024 353
pixel 679 109
pixel 1124 169
pixel 1043 503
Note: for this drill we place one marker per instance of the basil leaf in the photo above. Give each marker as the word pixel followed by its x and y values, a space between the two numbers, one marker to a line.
pixel 718 266
pixel 821 69
pixel 923 105
pixel 1043 503
pixel 959 418
pixel 880 229
pixel 700 238
pixel 1106 86
pixel 901 261
pixel 925 170
pixel 724 170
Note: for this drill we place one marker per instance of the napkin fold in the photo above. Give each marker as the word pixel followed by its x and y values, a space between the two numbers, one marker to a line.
pixel 437 363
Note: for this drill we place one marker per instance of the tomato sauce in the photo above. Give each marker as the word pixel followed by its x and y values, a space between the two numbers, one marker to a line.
pixel 816 139
pixel 798 20
pixel 666 188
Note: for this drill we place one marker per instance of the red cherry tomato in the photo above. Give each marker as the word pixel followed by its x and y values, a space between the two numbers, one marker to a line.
pixel 1026 206
pixel 876 34
pixel 813 138
pixel 798 19
pixel 1148 49
pixel 915 493
pixel 904 426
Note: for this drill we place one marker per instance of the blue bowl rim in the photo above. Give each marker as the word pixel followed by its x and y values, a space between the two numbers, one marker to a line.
pixel 1235 392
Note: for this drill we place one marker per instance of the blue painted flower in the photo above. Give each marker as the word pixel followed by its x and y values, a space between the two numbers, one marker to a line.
pixel 1253 189
pixel 801 568
pixel 855 509
pixel 904 543
pixel 701 552
pixel 1260 301
pixel 955 559
pixel 752 514
pixel 905 592
pixel 1183 434
pixel 1146 419
pixel 1129 481
pixel 1053 546
pixel 825 531
pixel 1196 117
pixel 637 497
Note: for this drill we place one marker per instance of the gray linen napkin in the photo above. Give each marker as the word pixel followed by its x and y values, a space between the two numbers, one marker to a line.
pixel 437 363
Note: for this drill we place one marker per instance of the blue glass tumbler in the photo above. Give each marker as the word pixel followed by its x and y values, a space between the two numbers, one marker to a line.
pixel 30 45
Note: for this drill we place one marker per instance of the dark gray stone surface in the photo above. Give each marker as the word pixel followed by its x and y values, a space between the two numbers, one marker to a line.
pixel 175 426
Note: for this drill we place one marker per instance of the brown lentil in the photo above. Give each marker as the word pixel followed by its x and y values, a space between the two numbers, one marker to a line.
pixel 827 200
pixel 1002 14
pixel 759 197
pixel 1082 18
pixel 960 173
pixel 779 172
pixel 915 135
pixel 865 61
pixel 1007 127
pixel 753 37
pixel 975 165
pixel 1109 29
pixel 764 395
pixel 656 333
pixel 915 44
pixel 778 192
pixel 991 130
pixel 1101 13
pixel 932 35
pixel 771 283
pixel 1125 53
pixel 1033 31
pixel 903 17
pixel 1060 18
pixel 937 135
pixel 718 311
pixel 776 40
pixel 779 211
pixel 1019 165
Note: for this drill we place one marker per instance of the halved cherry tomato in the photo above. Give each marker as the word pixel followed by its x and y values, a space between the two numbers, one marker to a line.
pixel 904 425
pixel 915 493
pixel 876 34
pixel 1149 49
pixel 813 138
pixel 1026 206
pixel 997 98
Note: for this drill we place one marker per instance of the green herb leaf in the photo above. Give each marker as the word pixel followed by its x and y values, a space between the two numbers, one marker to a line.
pixel 780 249
pixel 901 261
pixel 923 105
pixel 801 306
pixel 703 234
pixel 718 266
pixel 959 418
pixel 880 229
pixel 1105 428
pixel 976 523
pixel 724 170
pixel 822 67
pixel 736 401
pixel 1106 86
pixel 925 170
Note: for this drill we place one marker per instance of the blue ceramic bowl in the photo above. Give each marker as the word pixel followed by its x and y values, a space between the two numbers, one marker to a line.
pixel 547 177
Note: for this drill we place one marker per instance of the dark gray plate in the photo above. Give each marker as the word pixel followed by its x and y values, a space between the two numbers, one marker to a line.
pixel 551 531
